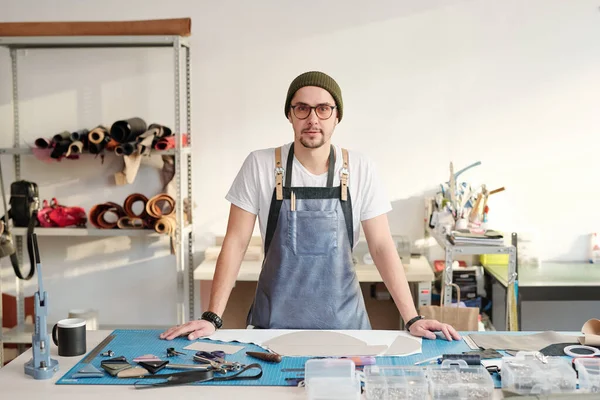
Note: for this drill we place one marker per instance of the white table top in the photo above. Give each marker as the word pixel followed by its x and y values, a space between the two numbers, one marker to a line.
pixel 418 270
pixel 14 384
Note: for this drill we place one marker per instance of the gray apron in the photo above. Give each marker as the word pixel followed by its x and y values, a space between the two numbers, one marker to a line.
pixel 308 280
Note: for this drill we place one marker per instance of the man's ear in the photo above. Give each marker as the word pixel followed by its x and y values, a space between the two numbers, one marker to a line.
pixel 289 117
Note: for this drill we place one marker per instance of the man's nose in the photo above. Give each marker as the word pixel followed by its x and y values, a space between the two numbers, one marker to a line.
pixel 312 116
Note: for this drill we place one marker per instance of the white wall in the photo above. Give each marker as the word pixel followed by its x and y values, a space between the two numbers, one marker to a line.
pixel 513 84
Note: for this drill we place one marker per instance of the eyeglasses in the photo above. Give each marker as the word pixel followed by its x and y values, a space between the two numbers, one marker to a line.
pixel 302 111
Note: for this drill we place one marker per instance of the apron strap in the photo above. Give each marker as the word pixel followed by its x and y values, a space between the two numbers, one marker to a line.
pixel 289 166
pixel 344 175
pixel 278 174
pixel 331 167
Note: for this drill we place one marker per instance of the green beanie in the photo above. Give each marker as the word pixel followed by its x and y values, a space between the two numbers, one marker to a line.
pixel 319 79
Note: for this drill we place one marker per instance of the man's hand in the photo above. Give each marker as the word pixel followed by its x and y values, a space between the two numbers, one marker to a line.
pixel 193 330
pixel 426 328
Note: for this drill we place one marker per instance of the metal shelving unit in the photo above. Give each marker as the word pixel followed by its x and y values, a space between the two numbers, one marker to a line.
pixel 452 250
pixel 183 238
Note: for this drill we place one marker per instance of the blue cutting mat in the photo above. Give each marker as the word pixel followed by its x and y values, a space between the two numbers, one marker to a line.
pixel 135 343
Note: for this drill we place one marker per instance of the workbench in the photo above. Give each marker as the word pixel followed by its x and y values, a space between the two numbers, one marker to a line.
pixel 418 273
pixel 15 384
pixel 553 296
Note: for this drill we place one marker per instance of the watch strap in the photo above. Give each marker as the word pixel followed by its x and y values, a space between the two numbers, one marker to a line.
pixel 212 318
pixel 412 321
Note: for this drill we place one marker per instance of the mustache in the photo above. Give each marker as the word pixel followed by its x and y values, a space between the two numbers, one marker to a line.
pixel 312 130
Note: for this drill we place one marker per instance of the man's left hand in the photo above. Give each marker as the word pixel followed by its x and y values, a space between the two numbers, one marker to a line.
pixel 426 328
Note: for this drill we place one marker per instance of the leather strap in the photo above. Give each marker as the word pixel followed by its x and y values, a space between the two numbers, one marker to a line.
pixel 187 377
pixel 153 209
pixel 165 225
pixel 130 201
pixel 14 259
pixel 344 175
pixel 99 212
pixel 278 174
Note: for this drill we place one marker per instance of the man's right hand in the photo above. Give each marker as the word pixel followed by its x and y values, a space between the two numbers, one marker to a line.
pixel 193 330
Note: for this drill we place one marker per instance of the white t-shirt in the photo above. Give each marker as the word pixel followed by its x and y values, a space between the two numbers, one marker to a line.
pixel 252 189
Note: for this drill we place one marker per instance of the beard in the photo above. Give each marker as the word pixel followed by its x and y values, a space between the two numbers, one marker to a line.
pixel 313 143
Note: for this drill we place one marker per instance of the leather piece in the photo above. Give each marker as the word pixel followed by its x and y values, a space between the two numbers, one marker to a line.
pixel 130 201
pixel 130 223
pixel 42 143
pixel 166 143
pixel 97 134
pixel 75 147
pixel 344 176
pixel 278 175
pixel 171 26
pixel 154 208
pixel 166 225
pixel 99 212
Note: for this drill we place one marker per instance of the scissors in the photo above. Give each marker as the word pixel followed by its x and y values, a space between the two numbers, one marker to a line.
pixel 216 361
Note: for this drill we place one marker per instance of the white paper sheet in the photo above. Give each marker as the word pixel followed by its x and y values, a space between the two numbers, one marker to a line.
pixel 259 336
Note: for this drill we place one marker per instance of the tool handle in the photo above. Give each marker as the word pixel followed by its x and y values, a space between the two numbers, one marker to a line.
pixel 271 357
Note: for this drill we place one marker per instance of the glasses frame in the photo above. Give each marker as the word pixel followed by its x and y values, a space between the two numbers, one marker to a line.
pixel 311 110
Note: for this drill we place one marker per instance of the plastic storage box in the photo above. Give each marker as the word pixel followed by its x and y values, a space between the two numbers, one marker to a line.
pixel 589 374
pixel 395 383
pixel 455 380
pixel 331 379
pixel 528 373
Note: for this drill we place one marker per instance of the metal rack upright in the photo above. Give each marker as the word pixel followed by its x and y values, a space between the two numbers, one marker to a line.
pixel 182 156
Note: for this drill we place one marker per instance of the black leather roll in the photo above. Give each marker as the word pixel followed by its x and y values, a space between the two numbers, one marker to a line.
pixel 125 149
pixel 77 135
pixel 127 130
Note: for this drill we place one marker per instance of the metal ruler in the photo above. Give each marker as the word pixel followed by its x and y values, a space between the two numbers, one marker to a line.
pixel 92 354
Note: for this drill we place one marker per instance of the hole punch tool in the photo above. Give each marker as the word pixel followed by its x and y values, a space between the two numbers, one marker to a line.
pixel 41 365
pixel 171 352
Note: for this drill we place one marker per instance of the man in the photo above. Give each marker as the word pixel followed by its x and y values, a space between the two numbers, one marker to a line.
pixel 310 198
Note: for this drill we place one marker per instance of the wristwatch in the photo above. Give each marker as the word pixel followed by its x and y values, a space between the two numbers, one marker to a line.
pixel 412 321
pixel 212 318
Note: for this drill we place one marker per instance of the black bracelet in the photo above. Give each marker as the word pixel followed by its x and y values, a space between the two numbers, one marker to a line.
pixel 212 318
pixel 412 321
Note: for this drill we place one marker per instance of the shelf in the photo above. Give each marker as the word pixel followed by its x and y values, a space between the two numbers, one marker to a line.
pixel 62 42
pixel 469 249
pixel 22 334
pixel 28 151
pixel 93 232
